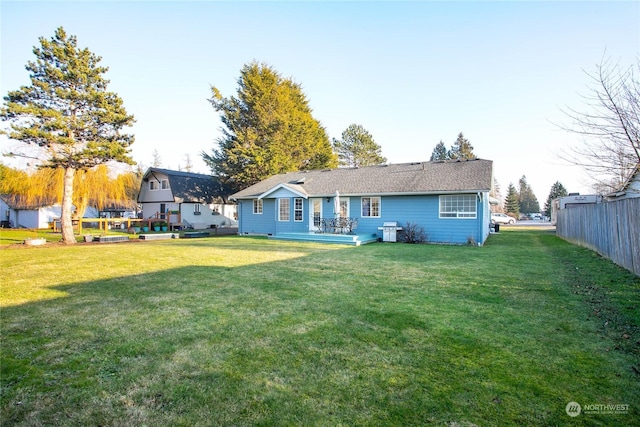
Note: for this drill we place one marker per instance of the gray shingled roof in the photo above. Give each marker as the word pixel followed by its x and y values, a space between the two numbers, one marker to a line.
pixel 191 187
pixel 405 178
pixel 21 202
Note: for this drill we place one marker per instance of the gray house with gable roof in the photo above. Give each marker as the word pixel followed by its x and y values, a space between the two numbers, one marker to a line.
pixel 184 200
pixel 449 199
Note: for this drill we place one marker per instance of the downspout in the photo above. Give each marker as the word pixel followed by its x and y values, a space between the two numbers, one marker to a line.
pixel 481 222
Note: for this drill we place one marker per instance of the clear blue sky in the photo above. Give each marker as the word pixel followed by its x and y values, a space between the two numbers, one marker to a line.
pixel 411 73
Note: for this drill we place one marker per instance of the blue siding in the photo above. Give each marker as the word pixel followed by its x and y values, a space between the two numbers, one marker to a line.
pixel 422 210
pixel 267 222
pixel 250 223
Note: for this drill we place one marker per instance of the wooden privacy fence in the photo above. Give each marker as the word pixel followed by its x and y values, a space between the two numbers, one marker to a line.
pixel 612 229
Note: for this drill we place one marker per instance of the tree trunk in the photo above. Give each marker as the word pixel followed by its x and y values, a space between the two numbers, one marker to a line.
pixel 68 236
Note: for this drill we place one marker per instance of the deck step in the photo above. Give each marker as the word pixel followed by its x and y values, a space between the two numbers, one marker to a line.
pixel 340 239
pixel 195 234
pixel 160 236
pixel 108 239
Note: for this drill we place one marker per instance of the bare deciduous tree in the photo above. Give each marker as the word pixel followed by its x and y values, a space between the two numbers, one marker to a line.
pixel 609 125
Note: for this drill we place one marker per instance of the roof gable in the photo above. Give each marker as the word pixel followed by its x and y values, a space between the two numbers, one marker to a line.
pixel 296 189
pixel 450 176
pixel 187 186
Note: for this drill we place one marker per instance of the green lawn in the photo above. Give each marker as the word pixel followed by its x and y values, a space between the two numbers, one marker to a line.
pixel 248 331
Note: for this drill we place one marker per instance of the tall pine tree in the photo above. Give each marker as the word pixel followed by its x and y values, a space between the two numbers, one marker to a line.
pixel 462 149
pixel 357 148
pixel 512 202
pixel 557 190
pixel 68 113
pixel 528 201
pixel 268 129
pixel 440 152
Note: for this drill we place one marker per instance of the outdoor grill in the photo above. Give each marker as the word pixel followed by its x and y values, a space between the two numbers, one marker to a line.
pixel 389 231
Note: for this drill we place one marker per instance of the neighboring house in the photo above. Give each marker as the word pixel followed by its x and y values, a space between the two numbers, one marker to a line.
pixel 449 199
pixel 630 189
pixel 16 212
pixel 184 199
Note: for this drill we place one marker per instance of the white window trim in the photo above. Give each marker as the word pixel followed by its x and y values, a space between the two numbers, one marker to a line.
pixel 362 215
pixel 164 184
pixel 196 208
pixel 458 214
pixel 301 210
pixel 151 185
pixel 257 203
pixel 288 210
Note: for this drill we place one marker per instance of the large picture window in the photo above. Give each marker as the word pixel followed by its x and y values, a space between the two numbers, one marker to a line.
pixel 283 210
pixel 370 207
pixel 257 206
pixel 458 206
pixel 297 209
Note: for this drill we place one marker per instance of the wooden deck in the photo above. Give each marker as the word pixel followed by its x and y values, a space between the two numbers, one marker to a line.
pixel 340 239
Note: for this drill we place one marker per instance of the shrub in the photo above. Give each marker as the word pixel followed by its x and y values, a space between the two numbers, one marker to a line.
pixel 413 233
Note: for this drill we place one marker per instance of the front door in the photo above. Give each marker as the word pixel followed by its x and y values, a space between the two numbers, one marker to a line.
pixel 315 214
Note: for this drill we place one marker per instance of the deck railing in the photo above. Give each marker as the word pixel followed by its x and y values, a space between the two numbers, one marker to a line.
pixel 337 225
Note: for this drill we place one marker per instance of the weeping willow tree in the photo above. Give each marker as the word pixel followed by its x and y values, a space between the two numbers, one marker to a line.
pixel 96 187
pixel 39 188
pixel 68 115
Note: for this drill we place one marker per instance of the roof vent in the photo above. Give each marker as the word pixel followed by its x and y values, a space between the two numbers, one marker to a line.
pixel 301 180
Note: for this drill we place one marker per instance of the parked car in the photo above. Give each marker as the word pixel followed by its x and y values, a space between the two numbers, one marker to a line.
pixel 500 218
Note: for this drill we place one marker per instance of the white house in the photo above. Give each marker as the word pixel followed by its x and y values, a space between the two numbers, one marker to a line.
pixel 15 212
pixel 630 189
pixel 185 200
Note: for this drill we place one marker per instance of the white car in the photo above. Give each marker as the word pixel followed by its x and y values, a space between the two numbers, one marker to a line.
pixel 500 218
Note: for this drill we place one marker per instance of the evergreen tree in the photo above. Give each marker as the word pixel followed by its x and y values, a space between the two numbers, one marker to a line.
pixel 440 152
pixel 462 149
pixel 557 190
pixel 496 192
pixel 528 201
pixel 512 202
pixel 156 160
pixel 68 113
pixel 357 148
pixel 268 129
pixel 188 165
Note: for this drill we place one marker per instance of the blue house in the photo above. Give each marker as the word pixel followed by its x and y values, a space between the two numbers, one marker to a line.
pixel 449 199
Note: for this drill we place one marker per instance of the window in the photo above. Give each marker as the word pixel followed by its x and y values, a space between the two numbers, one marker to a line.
pixel 283 209
pixel 196 209
pixel 257 206
pixel 153 185
pixel 164 184
pixel 297 209
pixel 371 207
pixel 458 206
